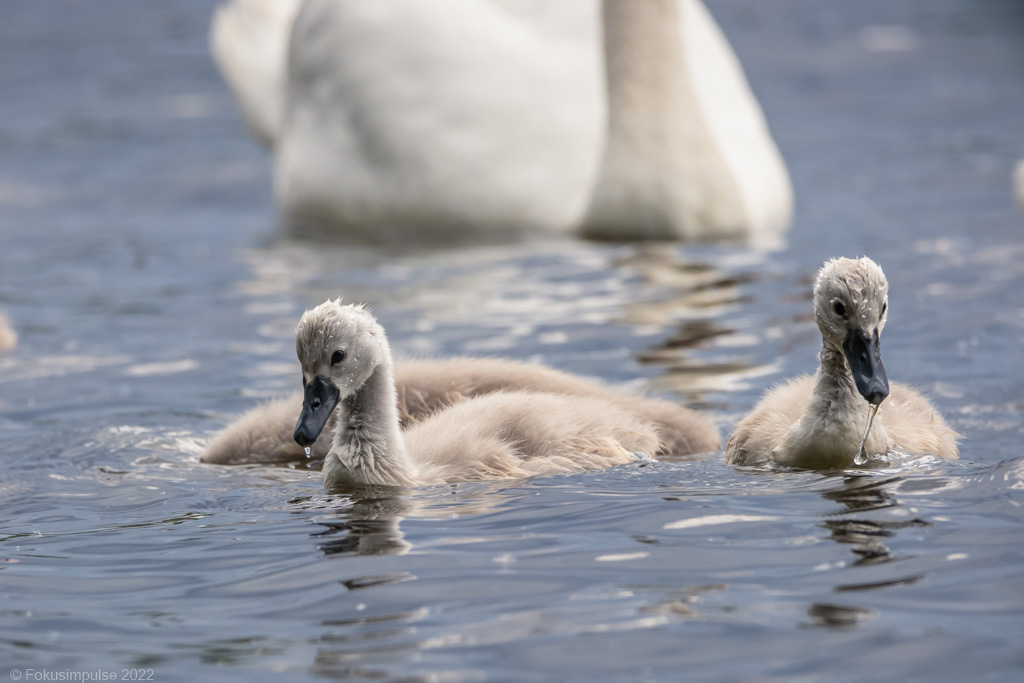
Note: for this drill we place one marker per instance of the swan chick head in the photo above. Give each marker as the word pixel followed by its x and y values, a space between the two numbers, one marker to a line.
pixel 339 348
pixel 851 305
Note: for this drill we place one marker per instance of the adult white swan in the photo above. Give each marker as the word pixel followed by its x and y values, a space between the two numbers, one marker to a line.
pixel 410 118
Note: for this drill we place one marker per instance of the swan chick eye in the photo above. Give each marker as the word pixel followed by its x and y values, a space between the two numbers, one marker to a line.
pixel 337 357
pixel 839 308
pixel 885 305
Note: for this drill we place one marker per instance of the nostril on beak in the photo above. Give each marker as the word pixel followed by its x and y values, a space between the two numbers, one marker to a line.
pixel 314 403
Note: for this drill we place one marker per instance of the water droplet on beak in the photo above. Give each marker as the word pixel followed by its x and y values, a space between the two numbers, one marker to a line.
pixel 862 455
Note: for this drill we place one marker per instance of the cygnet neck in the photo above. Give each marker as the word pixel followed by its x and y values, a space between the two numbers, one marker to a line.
pixel 834 380
pixel 836 400
pixel 828 434
pixel 368 447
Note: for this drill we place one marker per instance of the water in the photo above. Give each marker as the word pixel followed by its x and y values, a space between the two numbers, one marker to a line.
pixel 140 266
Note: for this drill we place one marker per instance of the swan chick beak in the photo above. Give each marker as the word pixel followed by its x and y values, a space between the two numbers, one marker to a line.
pixel 318 401
pixel 864 355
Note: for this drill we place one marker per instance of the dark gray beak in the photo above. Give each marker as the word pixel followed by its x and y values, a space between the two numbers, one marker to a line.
pixel 318 403
pixel 865 358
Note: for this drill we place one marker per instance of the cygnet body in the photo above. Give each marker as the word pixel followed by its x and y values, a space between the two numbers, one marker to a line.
pixel 425 386
pixel 818 422
pixel 346 363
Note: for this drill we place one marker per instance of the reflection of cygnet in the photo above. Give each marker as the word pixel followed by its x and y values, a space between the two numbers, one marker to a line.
pixel 8 337
pixel 346 362
pixel 370 522
pixel 818 422
pixel 370 526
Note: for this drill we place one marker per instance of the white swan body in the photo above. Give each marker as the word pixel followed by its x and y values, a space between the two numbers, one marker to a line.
pixel 405 119
pixel 249 41
pixel 491 117
pixel 423 387
pixel 818 422
pixel 688 153
pixel 346 362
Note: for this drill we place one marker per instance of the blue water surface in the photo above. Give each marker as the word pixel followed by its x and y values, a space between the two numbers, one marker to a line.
pixel 142 266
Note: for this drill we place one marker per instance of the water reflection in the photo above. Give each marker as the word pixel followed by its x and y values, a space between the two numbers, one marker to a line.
pixel 678 602
pixel 367 526
pixel 868 537
pixel 370 640
pixel 350 647
pixel 836 616
pixel 367 519
pixel 696 287
pixel 862 494
pixel 539 301
pixel 702 354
